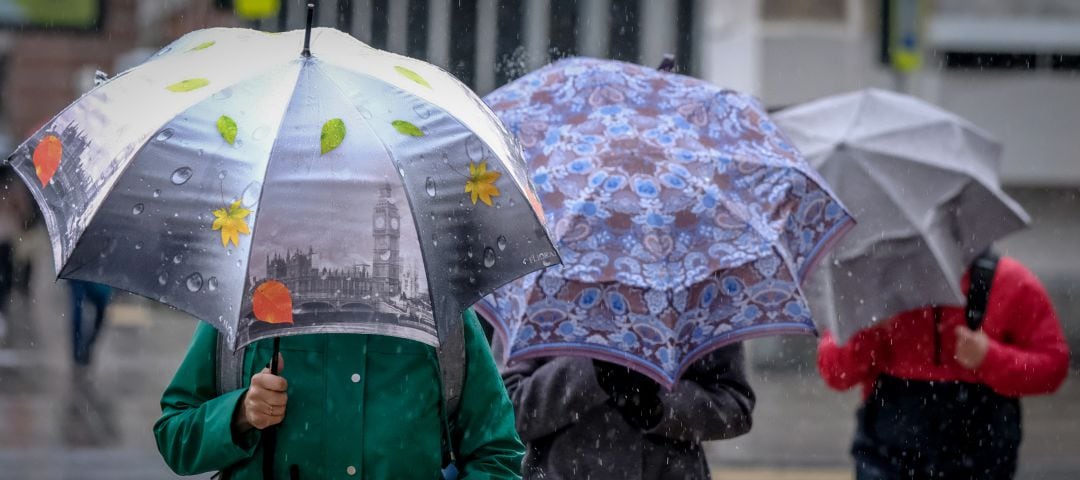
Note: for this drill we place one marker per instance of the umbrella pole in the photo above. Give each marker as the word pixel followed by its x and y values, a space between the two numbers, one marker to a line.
pixel 270 434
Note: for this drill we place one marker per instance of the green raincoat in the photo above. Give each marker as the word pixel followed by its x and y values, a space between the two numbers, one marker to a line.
pixel 360 406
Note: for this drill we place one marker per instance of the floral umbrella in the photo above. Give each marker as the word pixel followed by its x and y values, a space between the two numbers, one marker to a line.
pixel 272 192
pixel 685 219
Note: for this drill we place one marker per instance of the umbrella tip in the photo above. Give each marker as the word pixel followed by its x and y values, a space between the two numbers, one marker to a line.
pixel 667 64
pixel 307 31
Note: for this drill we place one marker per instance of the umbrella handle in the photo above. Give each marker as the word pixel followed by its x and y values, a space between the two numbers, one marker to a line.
pixel 269 436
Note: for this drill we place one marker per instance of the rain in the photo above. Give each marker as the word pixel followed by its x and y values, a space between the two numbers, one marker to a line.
pixel 853 254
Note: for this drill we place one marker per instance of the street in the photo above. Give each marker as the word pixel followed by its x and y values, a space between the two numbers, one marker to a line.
pixel 61 424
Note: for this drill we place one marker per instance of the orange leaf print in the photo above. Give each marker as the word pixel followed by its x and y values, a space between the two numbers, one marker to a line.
pixel 47 158
pixel 272 302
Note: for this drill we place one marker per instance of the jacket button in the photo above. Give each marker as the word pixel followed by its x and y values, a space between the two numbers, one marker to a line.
pixel 351 470
pixel 355 378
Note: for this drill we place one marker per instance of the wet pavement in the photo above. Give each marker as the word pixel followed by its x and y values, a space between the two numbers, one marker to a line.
pixel 57 422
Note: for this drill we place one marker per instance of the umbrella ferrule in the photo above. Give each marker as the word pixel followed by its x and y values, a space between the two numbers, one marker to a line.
pixel 307 31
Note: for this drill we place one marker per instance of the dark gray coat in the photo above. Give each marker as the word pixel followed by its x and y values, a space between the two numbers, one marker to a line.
pixel 573 432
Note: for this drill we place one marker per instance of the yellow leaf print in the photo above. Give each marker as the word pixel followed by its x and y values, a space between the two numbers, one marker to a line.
pixel 481 183
pixel 231 223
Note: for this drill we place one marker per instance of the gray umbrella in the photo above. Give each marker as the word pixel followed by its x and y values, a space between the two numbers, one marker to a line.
pixel 923 186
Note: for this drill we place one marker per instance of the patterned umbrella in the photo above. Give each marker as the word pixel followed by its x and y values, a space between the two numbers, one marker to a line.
pixel 685 219
pixel 271 192
pixel 924 185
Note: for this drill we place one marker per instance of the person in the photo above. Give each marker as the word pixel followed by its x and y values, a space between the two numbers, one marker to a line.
pixel 345 405
pixel 583 418
pixel 82 340
pixel 941 399
pixel 16 216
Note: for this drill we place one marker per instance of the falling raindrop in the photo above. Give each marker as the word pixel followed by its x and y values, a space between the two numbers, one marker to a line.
pixel 163 278
pixel 194 282
pixel 212 283
pixel 181 175
pixel 178 258
pixel 157 193
pixel 137 209
pixel 489 257
pixel 501 242
pixel 164 135
pixel 430 185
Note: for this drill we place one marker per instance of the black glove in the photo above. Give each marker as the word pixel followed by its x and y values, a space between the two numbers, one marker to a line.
pixel 635 396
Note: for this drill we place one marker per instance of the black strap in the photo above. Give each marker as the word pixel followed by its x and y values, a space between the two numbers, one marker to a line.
pixel 981 278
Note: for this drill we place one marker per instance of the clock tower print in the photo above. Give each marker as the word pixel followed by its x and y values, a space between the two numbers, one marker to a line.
pixel 386 224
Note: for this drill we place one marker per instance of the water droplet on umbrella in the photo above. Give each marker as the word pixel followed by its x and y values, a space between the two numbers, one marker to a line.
pixel 489 257
pixel 164 135
pixel 178 258
pixel 446 158
pixel 228 253
pixel 212 283
pixel 511 201
pixel 469 252
pixel 421 110
pixel 137 209
pixel 430 185
pixel 222 94
pixel 221 175
pixel 501 242
pixel 157 193
pixel 260 133
pixel 549 260
pixel 164 51
pixel 472 280
pixel 364 112
pixel 385 255
pixel 239 263
pixel 474 149
pixel 138 245
pixel 250 194
pixel 181 175
pixel 434 240
pixel 194 282
pixel 163 278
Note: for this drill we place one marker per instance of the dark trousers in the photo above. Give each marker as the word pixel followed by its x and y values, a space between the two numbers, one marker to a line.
pixel 82 341
pixel 915 430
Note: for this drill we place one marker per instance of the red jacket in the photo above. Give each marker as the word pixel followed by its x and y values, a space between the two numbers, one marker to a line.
pixel 1028 354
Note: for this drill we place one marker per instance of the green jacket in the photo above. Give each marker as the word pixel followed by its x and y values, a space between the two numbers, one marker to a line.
pixel 360 406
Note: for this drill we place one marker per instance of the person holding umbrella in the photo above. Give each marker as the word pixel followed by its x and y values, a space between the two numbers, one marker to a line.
pixel 330 212
pixel 686 223
pixel 942 335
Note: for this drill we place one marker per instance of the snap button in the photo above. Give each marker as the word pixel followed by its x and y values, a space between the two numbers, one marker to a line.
pixel 355 378
pixel 351 470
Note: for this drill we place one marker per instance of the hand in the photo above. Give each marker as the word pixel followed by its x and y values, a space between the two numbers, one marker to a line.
pixel 263 405
pixel 971 346
pixel 636 396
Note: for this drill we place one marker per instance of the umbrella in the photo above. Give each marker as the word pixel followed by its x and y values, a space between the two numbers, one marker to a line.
pixel 272 192
pixel 923 184
pixel 684 218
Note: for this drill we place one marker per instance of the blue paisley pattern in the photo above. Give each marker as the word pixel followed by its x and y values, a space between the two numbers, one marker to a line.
pixel 684 217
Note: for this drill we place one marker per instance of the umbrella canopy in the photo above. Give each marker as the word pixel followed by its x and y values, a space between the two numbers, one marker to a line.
pixel 270 192
pixel 923 184
pixel 685 219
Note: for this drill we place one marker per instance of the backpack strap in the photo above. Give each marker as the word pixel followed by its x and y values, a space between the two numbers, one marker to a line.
pixel 981 277
pixel 229 366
